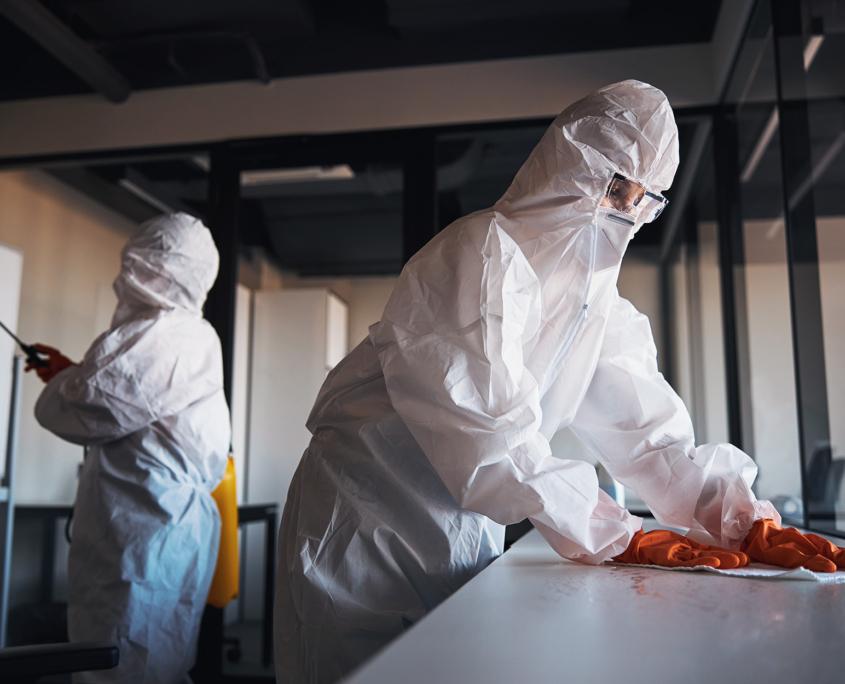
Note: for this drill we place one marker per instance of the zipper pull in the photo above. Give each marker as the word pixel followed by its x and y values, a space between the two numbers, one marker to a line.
pixel 586 311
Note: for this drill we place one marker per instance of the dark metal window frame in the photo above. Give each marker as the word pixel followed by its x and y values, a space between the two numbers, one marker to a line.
pixel 789 23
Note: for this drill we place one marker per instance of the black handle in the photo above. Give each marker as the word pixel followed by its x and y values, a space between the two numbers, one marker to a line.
pixel 32 356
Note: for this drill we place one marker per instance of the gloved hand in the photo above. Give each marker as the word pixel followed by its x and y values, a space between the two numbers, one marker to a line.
pixel 788 548
pixel 56 362
pixel 671 550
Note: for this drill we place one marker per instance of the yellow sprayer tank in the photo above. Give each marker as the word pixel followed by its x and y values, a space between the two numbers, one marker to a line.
pixel 224 586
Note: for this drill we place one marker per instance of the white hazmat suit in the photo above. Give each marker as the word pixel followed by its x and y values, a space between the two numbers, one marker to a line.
pixel 147 402
pixel 434 432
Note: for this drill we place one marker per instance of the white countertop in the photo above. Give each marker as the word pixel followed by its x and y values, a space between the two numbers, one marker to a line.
pixel 533 617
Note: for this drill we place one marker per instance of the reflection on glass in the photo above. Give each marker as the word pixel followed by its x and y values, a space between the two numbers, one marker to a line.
pixel 475 168
pixel 697 365
pixel 709 409
pixel 338 219
pixel 765 275
pixel 681 359
pixel 824 54
pixel 141 188
pixel 710 405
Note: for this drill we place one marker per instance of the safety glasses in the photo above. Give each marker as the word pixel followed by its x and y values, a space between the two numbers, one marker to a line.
pixel 633 199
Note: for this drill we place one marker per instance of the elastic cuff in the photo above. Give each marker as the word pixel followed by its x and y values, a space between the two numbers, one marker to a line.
pixel 762 510
pixel 635 524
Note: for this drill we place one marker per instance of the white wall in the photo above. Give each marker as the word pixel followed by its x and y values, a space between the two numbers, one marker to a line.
pixel 716 391
pixel 365 296
pixel 707 337
pixel 698 355
pixel 11 266
pixel 241 369
pixel 681 361
pixel 774 409
pixel 289 352
pixel 71 247
pixel 831 236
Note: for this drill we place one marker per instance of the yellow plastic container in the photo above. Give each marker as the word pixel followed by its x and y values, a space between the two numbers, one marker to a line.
pixel 224 586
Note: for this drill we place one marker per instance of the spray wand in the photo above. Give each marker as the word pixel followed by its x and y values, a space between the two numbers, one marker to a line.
pixel 32 355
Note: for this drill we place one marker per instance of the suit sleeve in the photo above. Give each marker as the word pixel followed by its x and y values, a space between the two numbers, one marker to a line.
pixel 98 401
pixel 640 430
pixel 450 344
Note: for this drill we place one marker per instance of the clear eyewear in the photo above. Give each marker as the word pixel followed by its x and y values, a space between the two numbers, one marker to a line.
pixel 633 199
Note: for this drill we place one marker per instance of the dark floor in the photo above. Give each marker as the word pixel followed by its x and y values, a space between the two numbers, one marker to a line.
pixel 248 635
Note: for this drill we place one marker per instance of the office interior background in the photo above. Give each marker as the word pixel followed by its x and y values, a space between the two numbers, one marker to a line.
pixel 324 143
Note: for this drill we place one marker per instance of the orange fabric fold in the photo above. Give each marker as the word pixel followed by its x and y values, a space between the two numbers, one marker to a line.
pixel 672 550
pixel 789 548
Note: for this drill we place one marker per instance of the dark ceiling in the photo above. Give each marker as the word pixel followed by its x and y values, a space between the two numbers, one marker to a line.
pixel 327 227
pixel 168 43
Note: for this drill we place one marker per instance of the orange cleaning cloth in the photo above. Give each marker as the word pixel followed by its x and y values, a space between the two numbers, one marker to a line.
pixel 789 548
pixel 672 550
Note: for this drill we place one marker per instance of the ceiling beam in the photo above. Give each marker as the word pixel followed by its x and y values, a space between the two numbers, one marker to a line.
pixel 105 192
pixel 31 17
pixel 447 94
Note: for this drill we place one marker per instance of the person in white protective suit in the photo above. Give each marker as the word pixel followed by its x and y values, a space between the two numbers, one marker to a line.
pixel 434 432
pixel 147 402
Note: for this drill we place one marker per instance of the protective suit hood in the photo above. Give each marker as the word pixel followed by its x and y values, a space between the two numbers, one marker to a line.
pixel 625 128
pixel 171 263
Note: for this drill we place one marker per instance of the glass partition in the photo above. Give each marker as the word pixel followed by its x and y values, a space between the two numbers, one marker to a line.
pixel 696 367
pixel 326 220
pixel 476 167
pixel 823 182
pixel 782 173
pixel 709 410
pixel 765 277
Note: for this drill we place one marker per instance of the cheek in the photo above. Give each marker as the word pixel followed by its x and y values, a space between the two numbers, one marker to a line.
pixel 605 202
pixel 631 199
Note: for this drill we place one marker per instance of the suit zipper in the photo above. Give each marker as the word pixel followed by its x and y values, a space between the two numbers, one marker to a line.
pixel 576 325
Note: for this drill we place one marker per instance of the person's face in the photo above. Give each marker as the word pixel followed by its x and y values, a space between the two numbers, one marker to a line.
pixel 623 195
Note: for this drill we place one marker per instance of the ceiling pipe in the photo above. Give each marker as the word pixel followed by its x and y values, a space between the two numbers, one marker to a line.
pixel 259 64
pixel 143 188
pixel 31 17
